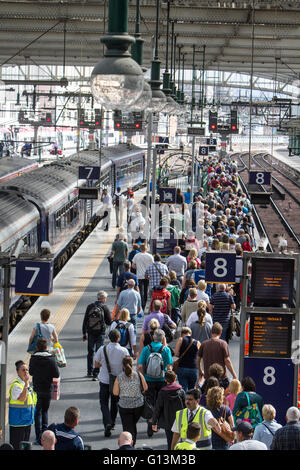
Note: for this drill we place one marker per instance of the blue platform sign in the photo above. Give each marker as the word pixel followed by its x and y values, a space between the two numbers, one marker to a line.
pixel 211 141
pixel 89 173
pixel 260 177
pixel 220 267
pixel 274 380
pixel 167 195
pixel 203 150
pixel 34 277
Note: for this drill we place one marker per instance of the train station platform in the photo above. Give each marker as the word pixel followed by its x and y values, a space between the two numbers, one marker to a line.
pixel 75 287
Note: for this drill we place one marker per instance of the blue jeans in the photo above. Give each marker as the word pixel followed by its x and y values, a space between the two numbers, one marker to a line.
pixel 225 327
pixel 94 343
pixel 187 377
pixel 117 265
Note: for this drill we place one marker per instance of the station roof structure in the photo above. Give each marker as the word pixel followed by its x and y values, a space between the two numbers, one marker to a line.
pixel 56 32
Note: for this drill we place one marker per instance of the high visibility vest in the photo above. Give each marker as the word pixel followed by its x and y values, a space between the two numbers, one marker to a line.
pixel 182 425
pixel 21 413
pixel 185 446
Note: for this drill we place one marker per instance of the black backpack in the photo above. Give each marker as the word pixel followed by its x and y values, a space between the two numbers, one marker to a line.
pixel 125 280
pixel 95 320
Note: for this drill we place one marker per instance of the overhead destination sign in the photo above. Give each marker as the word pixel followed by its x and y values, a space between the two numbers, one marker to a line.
pixel 270 335
pixel 196 130
pixel 272 281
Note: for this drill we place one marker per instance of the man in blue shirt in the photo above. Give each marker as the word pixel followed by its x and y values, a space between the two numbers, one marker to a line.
pixel 66 437
pixel 155 383
pixel 131 300
pixel 124 277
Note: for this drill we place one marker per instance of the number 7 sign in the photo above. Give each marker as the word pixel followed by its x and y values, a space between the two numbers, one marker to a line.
pixel 34 277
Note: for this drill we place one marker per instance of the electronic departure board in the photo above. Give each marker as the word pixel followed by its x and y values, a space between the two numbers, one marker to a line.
pixel 270 335
pixel 272 281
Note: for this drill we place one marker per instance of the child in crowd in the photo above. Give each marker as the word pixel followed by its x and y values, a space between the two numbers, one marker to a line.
pixel 192 436
pixel 234 388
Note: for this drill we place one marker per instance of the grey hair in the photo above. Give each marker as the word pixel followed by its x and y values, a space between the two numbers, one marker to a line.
pixel 102 294
pixel 293 414
pixel 158 335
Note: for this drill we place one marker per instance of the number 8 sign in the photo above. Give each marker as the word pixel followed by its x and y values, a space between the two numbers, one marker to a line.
pixel 34 277
pixel 220 267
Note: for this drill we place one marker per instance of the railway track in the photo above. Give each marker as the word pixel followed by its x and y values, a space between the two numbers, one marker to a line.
pixel 280 217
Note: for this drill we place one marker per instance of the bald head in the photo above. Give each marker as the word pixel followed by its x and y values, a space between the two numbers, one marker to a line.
pixel 131 283
pixel 48 440
pixel 125 438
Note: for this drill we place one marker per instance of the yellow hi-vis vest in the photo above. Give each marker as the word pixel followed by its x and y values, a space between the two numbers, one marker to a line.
pixel 185 446
pixel 21 413
pixel 204 440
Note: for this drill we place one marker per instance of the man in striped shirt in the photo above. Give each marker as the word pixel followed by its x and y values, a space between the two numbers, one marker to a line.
pixel 155 272
pixel 220 306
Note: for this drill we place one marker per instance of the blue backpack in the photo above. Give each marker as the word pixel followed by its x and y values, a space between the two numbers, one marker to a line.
pixel 123 328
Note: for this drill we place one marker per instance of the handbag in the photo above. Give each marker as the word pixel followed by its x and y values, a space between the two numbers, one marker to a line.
pixel 55 389
pixel 112 377
pixel 32 346
pixel 148 409
pixel 59 355
pixel 176 363
pixel 225 432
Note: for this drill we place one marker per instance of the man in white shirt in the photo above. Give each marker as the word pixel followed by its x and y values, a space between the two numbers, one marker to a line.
pixel 244 433
pixel 118 201
pixel 115 354
pixel 140 262
pixel 107 206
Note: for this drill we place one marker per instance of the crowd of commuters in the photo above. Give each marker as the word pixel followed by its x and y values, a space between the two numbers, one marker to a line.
pixel 179 369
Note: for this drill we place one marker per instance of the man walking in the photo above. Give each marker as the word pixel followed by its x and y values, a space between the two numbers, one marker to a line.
pixel 96 317
pixel 155 353
pixel 118 202
pixel 214 351
pixel 122 281
pixel 177 263
pixel 194 413
pixel 119 253
pixel 155 272
pixel 66 436
pixel 288 437
pixel 130 299
pixel 114 354
pixel 107 206
pixel 140 262
pixel 220 306
pixel 43 369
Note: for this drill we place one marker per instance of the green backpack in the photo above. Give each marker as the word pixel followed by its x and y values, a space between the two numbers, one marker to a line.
pixel 251 414
pixel 175 295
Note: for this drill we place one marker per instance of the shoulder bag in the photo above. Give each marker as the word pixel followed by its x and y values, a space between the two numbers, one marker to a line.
pixel 176 363
pixel 226 432
pixel 112 377
pixel 148 409
pixel 32 348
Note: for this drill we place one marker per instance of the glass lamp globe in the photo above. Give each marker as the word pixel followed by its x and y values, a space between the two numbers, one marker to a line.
pixel 158 101
pixel 170 107
pixel 144 100
pixel 117 82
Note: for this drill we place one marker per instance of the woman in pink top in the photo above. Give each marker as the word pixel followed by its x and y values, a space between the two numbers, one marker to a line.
pixel 193 255
pixel 234 388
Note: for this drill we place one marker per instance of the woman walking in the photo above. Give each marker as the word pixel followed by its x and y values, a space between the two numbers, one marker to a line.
pixel 129 386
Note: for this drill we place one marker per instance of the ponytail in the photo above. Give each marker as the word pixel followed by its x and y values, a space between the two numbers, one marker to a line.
pixel 201 312
pixel 127 365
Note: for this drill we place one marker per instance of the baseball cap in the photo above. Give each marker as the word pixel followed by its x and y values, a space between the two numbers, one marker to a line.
pixel 243 427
